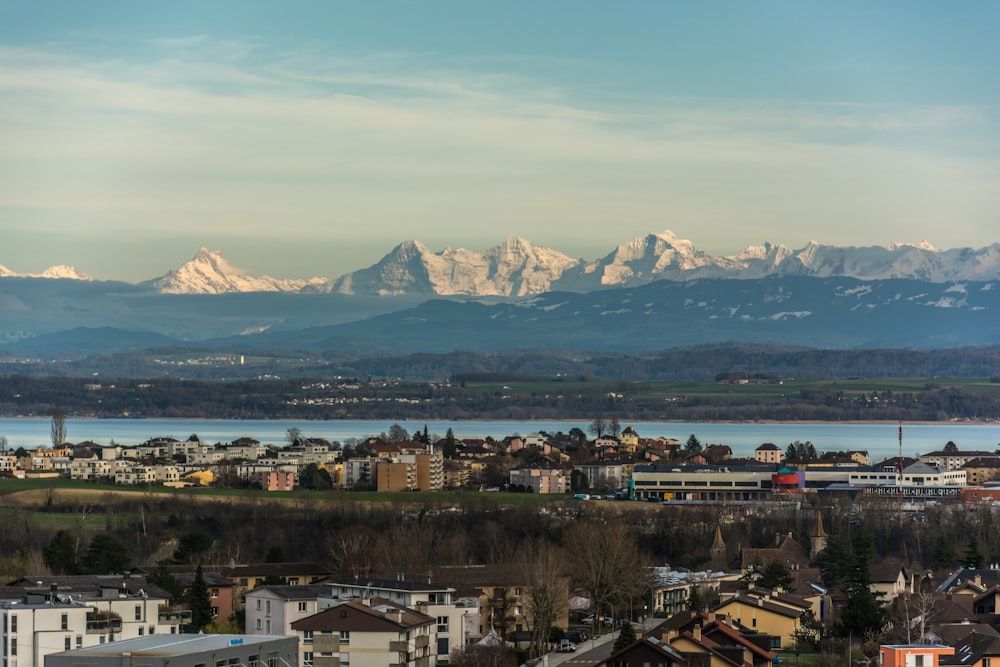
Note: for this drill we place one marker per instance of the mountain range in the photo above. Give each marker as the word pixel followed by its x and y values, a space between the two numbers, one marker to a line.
pixel 516 268
pixel 653 293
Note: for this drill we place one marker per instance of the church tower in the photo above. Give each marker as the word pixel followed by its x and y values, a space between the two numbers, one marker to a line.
pixel 718 549
pixel 817 536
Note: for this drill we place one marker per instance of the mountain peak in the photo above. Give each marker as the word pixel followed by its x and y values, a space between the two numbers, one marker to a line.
pixel 208 272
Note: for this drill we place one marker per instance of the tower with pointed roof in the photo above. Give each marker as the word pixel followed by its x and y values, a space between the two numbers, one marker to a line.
pixel 817 536
pixel 718 549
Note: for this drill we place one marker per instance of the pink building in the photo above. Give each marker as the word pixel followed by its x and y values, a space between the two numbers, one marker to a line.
pixel 539 480
pixel 274 480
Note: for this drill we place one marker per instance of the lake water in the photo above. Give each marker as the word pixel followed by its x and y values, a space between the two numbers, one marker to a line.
pixel 880 439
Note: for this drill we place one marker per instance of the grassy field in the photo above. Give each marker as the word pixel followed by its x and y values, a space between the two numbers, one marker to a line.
pixel 788 389
pixel 28 492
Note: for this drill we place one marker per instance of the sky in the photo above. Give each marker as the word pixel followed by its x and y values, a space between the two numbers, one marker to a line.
pixel 308 138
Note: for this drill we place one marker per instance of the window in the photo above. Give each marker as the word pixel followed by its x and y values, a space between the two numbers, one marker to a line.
pixel 13 647
pixel 141 630
pixel 307 659
pixel 13 623
pixel 303 606
pixel 220 663
pixel 64 623
pixel 307 636
pixel 268 630
pixel 442 624
pixel 253 662
pixel 68 643
pixel 260 624
pixel 442 646
pixel 268 607
pixel 258 604
pixel 138 612
pixel 345 637
pixel 215 592
pixel 272 660
pixel 918 661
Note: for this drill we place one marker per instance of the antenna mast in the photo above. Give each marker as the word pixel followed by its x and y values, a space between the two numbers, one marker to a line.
pixel 899 466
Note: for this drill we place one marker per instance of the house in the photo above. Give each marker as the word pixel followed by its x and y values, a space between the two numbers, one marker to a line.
pixel 643 653
pixel 786 551
pixel 913 655
pixel 503 594
pixel 890 580
pixel 768 453
pixel 183 651
pixel 246 577
pixel 711 641
pixel 781 620
pixel 367 633
pixel 975 650
pixel 457 618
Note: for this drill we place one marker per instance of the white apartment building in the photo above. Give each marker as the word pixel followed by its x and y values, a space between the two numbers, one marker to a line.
pixel 271 610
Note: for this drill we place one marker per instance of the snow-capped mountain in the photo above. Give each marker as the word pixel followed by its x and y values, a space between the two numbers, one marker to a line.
pixel 515 267
pixel 512 268
pixel 53 272
pixel 210 273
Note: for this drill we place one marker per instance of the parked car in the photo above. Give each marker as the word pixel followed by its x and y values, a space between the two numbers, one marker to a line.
pixel 577 636
pixel 566 646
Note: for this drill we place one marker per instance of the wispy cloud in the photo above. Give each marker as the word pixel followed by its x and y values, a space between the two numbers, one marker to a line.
pixel 237 130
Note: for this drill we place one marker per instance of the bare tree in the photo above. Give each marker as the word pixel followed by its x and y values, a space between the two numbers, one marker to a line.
pixel 542 567
pixel 598 427
pixel 605 561
pixel 483 655
pixel 58 432
pixel 352 551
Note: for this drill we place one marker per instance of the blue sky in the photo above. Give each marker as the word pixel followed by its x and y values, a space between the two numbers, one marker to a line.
pixel 308 138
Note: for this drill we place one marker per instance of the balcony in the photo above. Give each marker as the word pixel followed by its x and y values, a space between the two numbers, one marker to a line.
pixel 168 616
pixel 422 641
pixel 399 647
pixel 104 626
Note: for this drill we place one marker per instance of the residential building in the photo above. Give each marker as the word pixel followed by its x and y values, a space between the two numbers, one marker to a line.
pixel 248 576
pixel 768 453
pixel 502 591
pixel 954 460
pixel 367 633
pixel 457 618
pixel 271 610
pixel 645 652
pixel 141 607
pixel 913 655
pixel 539 480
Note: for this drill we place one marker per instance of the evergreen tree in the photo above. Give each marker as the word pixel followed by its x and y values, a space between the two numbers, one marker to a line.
pixel 972 558
pixel 943 555
pixel 105 555
pixel 199 602
pixel 626 637
pixel 167 581
pixel 60 553
pixel 693 445
pixel 863 613
pixel 776 575
pixel 694 601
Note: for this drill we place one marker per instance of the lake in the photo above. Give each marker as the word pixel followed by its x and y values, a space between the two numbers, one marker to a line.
pixel 881 440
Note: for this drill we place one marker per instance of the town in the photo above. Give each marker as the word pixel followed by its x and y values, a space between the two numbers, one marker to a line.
pixel 816 589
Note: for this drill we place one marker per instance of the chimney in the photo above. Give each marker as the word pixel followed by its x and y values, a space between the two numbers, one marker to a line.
pixel 697 632
pixel 979 580
pixel 394 615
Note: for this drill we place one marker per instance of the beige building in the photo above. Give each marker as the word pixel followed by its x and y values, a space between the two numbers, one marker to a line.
pixel 367 633
pixel 768 453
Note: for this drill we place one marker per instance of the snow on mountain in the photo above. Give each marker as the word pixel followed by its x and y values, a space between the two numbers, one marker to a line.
pixel 53 272
pixel 512 268
pixel 515 267
pixel 209 273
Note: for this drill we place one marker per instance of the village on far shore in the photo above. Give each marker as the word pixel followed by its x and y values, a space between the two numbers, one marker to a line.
pixel 615 464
